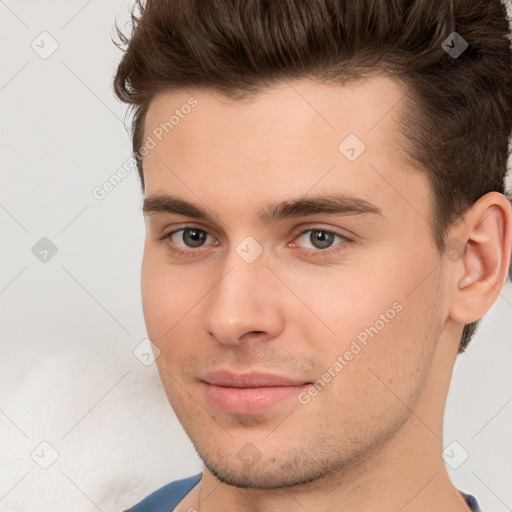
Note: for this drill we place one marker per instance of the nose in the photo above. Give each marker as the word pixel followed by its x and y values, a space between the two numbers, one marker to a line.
pixel 244 304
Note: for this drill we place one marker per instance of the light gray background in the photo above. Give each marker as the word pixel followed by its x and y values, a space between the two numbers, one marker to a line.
pixel 70 325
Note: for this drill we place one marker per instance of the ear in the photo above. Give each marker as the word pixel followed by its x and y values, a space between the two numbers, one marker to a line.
pixel 479 251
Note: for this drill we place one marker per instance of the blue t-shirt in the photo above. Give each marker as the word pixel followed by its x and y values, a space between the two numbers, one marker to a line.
pixel 168 496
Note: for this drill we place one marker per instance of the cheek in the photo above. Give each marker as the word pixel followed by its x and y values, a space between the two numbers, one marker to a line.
pixel 388 290
pixel 386 321
pixel 167 306
pixel 168 296
pixel 376 382
pixel 173 306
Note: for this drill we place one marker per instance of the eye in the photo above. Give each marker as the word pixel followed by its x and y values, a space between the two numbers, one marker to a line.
pixel 192 241
pixel 193 237
pixel 320 239
pixel 187 238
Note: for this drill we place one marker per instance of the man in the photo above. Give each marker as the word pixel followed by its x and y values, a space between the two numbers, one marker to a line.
pixel 326 224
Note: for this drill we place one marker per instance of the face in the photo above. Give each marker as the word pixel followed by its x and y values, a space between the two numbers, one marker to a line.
pixel 300 287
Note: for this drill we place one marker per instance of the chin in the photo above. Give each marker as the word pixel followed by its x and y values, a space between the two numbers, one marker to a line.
pixel 269 473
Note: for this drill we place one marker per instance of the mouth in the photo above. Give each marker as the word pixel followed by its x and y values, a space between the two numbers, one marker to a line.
pixel 249 393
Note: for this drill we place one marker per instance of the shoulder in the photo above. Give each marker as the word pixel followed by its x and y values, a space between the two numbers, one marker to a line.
pixel 167 497
pixel 471 501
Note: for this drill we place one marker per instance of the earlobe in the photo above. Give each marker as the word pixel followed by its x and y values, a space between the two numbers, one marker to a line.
pixel 486 234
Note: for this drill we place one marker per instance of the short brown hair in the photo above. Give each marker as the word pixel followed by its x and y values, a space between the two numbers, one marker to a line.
pixel 458 110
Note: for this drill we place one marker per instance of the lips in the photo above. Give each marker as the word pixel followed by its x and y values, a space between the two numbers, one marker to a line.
pixel 250 380
pixel 249 393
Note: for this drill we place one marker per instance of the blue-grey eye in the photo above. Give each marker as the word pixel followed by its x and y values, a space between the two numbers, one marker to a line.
pixel 191 237
pixel 319 238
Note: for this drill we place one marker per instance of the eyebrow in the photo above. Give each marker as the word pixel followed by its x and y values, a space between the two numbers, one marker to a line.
pixel 332 204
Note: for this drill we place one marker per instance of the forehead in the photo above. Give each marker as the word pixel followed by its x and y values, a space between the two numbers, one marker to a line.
pixel 288 139
pixel 304 110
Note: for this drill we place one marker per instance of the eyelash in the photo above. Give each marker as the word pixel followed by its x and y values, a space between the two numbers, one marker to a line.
pixel 316 253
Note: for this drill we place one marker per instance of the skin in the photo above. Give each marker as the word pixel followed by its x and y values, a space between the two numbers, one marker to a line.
pixel 372 437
